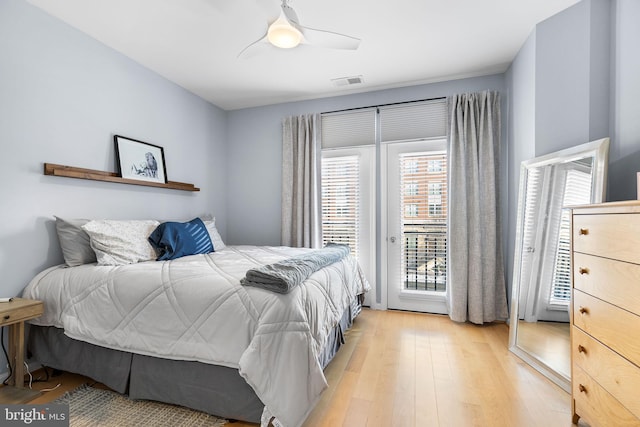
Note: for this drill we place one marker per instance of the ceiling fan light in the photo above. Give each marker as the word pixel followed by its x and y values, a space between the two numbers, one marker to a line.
pixel 284 35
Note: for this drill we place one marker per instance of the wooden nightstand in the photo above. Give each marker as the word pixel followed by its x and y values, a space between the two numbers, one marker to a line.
pixel 13 314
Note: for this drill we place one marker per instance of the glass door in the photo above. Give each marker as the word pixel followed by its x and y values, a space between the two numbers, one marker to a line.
pixel 416 194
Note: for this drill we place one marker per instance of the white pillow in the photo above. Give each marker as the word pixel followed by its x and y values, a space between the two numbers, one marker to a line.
pixel 216 240
pixel 121 242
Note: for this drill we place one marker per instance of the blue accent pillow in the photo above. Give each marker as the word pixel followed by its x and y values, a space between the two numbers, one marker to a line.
pixel 173 240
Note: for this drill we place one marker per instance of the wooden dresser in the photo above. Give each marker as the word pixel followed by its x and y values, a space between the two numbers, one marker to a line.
pixel 605 321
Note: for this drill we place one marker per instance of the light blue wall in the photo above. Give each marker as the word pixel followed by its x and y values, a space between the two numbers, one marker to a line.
pixel 600 66
pixel 520 81
pixel 254 152
pixel 572 77
pixel 625 127
pixel 585 86
pixel 62 97
pixel 562 80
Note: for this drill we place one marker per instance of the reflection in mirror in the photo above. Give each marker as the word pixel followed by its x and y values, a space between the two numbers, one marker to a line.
pixel 541 292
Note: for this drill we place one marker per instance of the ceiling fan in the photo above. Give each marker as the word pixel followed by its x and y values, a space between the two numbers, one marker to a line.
pixel 286 32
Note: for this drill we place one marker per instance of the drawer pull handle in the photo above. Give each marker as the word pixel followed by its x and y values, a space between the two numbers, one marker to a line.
pixel 584 231
pixel 7 317
pixel 582 388
pixel 581 349
pixel 583 270
pixel 583 310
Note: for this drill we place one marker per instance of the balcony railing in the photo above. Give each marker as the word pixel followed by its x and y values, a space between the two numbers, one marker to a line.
pixel 425 257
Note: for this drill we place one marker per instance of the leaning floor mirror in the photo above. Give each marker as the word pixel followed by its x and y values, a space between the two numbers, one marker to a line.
pixel 541 292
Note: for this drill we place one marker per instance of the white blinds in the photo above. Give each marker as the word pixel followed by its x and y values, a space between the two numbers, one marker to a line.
pixel 398 122
pixel 349 128
pixel 415 120
pixel 530 226
pixel 577 192
pixel 340 201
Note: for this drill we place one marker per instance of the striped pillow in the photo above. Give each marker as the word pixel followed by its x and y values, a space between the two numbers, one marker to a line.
pixel 177 239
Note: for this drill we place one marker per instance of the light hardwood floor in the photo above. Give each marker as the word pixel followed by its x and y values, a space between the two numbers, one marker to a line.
pixel 410 369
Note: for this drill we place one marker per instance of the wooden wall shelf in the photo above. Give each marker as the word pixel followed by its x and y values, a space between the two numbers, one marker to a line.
pixel 80 173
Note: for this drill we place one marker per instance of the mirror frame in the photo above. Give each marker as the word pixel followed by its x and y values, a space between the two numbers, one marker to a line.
pixel 599 150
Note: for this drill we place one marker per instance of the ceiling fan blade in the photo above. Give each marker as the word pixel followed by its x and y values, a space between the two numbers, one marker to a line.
pixel 329 39
pixel 252 48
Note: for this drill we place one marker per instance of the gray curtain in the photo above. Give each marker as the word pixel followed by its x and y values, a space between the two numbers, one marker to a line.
pixel 476 275
pixel 301 208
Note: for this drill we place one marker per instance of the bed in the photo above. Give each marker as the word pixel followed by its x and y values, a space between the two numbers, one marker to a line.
pixel 186 331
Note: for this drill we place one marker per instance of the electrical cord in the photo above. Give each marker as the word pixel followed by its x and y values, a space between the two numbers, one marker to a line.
pixel 29 372
pixel 31 380
pixel 44 390
pixel 4 350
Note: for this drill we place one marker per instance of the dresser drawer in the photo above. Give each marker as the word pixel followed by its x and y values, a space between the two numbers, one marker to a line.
pixel 608 324
pixel 614 236
pixel 616 282
pixel 596 406
pixel 611 371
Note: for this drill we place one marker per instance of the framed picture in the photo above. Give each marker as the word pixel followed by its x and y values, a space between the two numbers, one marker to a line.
pixel 140 160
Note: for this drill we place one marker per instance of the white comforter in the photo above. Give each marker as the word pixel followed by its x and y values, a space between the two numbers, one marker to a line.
pixel 194 308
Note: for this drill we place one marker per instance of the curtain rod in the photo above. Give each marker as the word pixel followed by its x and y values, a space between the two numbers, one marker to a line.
pixel 384 105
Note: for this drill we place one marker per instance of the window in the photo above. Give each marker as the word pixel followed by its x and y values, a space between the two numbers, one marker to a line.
pixel 340 201
pixel 424 228
pixel 435 188
pixel 434 165
pixel 365 133
pixel 411 166
pixel 411 188
pixel 411 210
pixel 435 209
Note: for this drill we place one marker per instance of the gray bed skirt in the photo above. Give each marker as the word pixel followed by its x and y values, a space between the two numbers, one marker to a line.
pixel 217 390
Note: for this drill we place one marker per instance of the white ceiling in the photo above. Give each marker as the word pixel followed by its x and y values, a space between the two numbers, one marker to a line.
pixel 195 43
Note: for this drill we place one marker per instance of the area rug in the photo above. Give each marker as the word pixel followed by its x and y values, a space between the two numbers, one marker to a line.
pixel 89 407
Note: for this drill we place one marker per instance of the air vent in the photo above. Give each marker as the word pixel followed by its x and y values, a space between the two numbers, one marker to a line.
pixel 347 81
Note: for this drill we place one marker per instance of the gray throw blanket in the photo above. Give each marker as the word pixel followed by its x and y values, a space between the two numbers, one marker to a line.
pixel 285 275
